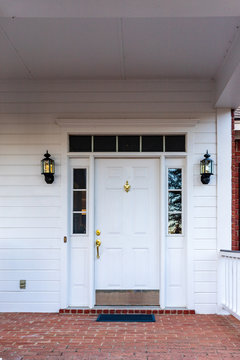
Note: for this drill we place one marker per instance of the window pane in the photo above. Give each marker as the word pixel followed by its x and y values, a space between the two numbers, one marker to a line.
pixel 79 178
pixel 174 178
pixel 175 224
pixel 175 143
pixel 128 143
pixel 175 201
pixel 79 143
pixel 152 143
pixel 104 143
pixel 79 201
pixel 79 223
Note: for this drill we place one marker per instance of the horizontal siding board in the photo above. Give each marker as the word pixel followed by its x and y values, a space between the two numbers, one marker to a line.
pixel 31 192
pixel 24 149
pixel 23 233
pixel 205 287
pixel 205 138
pixel 31 222
pixel 206 127
pixel 30 274
pixel 31 286
pixel 25 296
pixel 23 201
pixel 29 254
pixel 28 128
pixel 24 160
pixel 205 276
pixel 205 254
pixel 201 149
pixel 26 264
pixel 203 244
pixel 203 298
pixel 204 202
pixel 18 159
pixel 20 170
pixel 205 211
pixel 205 233
pixel 205 222
pixel 204 190
pixel 24 180
pixel 30 139
pixel 30 307
pixel 29 244
pixel 29 212
pixel 203 265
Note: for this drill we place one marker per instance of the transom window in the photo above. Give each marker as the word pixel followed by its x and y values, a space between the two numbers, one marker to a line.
pixel 127 143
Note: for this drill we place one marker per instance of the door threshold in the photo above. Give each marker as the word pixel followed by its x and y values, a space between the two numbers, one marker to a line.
pixel 126 310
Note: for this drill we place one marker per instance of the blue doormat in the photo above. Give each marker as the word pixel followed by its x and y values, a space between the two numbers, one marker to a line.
pixel 126 317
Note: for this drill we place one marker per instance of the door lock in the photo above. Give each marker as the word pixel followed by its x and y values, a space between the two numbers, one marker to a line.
pixel 98 232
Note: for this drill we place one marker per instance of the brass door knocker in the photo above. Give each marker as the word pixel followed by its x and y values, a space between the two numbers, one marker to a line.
pixel 127 187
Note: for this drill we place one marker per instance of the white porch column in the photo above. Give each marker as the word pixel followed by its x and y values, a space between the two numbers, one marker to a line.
pixel 224 193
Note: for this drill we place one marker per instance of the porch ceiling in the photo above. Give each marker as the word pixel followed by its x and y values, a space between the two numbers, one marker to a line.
pixel 122 40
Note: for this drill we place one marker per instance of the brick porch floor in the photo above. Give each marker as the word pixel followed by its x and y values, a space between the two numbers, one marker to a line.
pixel 60 336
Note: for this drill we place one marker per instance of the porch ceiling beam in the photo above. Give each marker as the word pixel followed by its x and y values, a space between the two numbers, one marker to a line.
pixel 116 8
pixel 228 78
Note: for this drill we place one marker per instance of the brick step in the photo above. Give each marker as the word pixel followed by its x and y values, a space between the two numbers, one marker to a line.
pixel 126 311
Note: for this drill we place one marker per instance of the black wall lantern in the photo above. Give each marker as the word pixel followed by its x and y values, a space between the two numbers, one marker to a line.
pixel 48 168
pixel 206 168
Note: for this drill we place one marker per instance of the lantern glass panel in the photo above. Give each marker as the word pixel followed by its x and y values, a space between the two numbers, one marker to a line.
pixel 208 167
pixel 52 167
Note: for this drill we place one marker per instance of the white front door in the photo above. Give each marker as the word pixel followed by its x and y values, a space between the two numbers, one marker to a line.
pixel 128 221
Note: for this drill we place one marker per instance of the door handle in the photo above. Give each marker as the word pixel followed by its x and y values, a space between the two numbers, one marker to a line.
pixel 98 244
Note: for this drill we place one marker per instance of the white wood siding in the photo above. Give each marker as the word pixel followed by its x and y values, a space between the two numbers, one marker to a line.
pixel 204 220
pixel 30 210
pixel 29 215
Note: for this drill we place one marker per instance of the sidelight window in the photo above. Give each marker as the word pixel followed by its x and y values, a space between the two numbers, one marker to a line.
pixel 79 201
pixel 174 201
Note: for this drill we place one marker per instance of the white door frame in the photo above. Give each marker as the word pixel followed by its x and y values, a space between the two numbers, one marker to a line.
pixel 65 155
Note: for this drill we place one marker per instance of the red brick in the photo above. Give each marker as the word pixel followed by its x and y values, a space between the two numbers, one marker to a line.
pixel 53 336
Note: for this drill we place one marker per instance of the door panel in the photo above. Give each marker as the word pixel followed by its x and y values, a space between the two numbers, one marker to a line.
pixel 128 222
